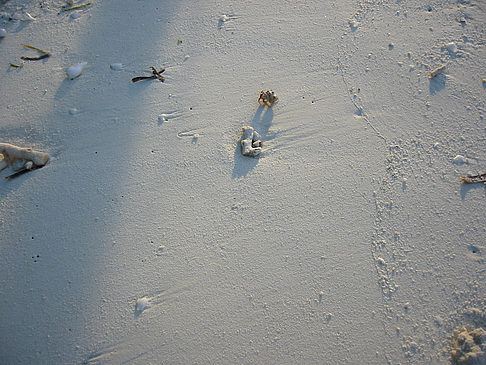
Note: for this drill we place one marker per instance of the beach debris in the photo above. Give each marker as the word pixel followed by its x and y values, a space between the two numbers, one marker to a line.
pixel 3 33
pixel 469 346
pixel 474 179
pixel 76 70
pixel 21 159
pixel 155 75
pixel 69 6
pixel 142 304
pixel 179 41
pixel 437 71
pixel 116 66
pixel 451 47
pixel 251 145
pixel 460 160
pixel 353 24
pixel 267 98
pixel 75 15
pixel 44 54
pixel 27 17
pixel 15 66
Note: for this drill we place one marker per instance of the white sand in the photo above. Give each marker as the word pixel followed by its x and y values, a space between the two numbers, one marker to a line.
pixel 149 238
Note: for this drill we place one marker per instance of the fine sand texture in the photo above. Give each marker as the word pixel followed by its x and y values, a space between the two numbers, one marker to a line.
pixel 148 238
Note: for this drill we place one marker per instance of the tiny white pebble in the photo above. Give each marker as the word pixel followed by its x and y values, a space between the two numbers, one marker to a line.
pixel 116 66
pixel 3 33
pixel 186 57
pixel 73 111
pixel 75 15
pixel 381 261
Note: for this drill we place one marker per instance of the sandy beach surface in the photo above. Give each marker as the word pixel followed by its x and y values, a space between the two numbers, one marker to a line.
pixel 149 239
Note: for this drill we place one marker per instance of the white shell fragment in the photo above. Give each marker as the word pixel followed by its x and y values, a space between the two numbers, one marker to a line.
pixel 76 70
pixel 3 33
pixel 27 17
pixel 437 71
pixel 116 66
pixel 251 145
pixel 460 160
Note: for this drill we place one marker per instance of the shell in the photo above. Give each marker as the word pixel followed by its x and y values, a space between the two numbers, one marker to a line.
pixel 3 33
pixel 76 70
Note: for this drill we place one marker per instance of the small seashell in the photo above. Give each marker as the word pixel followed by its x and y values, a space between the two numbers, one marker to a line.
pixel 75 15
pixel 142 304
pixel 3 33
pixel 460 160
pixel 451 47
pixel 76 70
pixel 116 66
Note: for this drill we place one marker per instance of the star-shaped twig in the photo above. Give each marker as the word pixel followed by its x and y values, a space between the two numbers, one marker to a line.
pixel 155 75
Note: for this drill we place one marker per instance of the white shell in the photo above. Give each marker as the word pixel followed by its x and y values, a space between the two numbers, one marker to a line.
pixel 451 47
pixel 116 66
pixel 3 33
pixel 142 304
pixel 75 71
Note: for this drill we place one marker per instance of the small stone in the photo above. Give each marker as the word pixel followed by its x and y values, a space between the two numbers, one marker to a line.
pixel 3 33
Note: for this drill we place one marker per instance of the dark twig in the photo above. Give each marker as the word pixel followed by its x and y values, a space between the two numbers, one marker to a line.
pixel 45 54
pixel 481 178
pixel 18 173
pixel 75 7
pixel 155 75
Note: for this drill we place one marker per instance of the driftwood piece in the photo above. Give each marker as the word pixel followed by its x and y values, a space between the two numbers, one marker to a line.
pixel 251 145
pixel 12 153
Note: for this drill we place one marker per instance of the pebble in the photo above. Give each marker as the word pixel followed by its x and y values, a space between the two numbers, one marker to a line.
pixel 75 15
pixel 3 33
